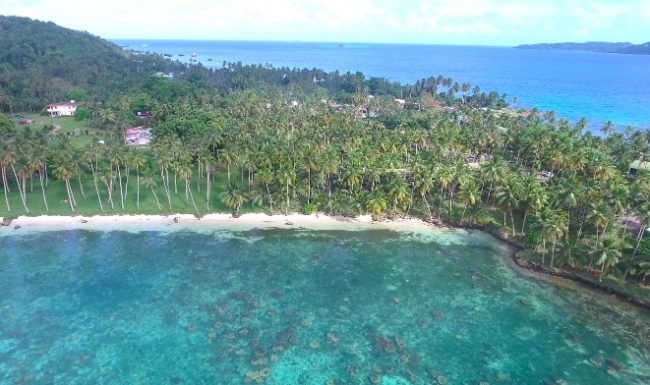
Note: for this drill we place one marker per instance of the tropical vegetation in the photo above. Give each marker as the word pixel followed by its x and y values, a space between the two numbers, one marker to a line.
pixel 257 138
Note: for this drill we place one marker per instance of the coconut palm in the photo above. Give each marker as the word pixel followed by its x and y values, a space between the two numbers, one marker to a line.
pixel 64 171
pixel 148 181
pixel 287 177
pixel 376 203
pixel 233 197
pixel 607 254
pixel 508 196
pixel 469 195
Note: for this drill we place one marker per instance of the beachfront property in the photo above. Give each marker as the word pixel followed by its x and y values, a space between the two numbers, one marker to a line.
pixel 138 136
pixel 62 109
pixel 639 165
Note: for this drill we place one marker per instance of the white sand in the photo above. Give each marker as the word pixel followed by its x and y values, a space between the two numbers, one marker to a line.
pixel 217 221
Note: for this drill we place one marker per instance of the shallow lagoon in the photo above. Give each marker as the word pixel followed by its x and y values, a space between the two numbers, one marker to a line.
pixel 299 307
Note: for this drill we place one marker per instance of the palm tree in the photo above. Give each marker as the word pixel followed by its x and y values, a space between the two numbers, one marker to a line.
pixel 37 164
pixel 287 177
pixel 554 230
pixel 644 226
pixel 508 196
pixel 148 181
pixel 3 170
pixel 398 192
pixel 185 172
pixel 233 197
pixel 137 161
pixel 376 203
pixel 608 128
pixel 91 157
pixel 265 176
pixel 607 253
pixel 469 195
pixel 64 172
pixel 423 182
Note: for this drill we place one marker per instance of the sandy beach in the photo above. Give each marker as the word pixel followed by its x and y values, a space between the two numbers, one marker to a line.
pixel 219 221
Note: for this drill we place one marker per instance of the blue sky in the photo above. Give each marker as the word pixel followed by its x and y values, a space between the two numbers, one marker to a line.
pixel 479 22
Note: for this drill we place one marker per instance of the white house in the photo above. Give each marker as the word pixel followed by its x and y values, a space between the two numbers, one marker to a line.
pixel 62 109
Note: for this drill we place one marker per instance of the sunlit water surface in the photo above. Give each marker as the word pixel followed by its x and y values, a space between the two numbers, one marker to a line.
pixel 298 307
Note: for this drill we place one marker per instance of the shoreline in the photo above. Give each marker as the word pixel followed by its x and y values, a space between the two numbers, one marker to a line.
pixel 316 221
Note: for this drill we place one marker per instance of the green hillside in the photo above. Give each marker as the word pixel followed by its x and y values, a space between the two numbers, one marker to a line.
pixel 41 63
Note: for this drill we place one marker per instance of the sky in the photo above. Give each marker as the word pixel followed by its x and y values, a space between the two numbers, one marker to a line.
pixel 469 22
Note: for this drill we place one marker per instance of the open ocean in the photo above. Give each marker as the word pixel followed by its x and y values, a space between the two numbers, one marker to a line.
pixel 599 87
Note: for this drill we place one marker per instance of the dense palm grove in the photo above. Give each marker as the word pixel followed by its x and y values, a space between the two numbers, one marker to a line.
pixel 254 138
pixel 562 190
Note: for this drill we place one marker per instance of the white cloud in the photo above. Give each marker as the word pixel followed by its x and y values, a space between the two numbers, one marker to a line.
pixel 416 21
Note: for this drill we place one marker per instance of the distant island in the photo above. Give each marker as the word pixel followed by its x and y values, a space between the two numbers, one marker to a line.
pixel 593 46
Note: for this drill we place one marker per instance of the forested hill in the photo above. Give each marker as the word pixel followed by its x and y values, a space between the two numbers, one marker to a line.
pixel 41 63
pixel 593 46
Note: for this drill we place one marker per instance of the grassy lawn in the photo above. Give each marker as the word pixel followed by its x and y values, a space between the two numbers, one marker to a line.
pixel 57 199
pixel 77 129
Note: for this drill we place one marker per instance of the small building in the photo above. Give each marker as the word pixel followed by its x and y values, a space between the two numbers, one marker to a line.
pixel 62 109
pixel 138 136
pixel 639 165
pixel 145 115
pixel 169 75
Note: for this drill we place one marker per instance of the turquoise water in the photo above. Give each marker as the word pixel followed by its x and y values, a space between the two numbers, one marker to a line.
pixel 599 87
pixel 298 307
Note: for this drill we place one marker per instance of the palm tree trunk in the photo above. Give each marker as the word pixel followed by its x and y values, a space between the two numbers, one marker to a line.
pixel 81 186
pixel 512 221
pixel 24 180
pixel 602 271
pixel 553 253
pixel 40 177
pixel 156 197
pixel 5 186
pixel 207 190
pixel 99 199
pixel 137 186
pixel 192 199
pixel 109 188
pixel 126 185
pixel 20 189
pixel 199 175
pixel 268 192
pixel 523 224
pixel 287 208
pixel 119 179
pixel 167 188
pixel 636 248
pixel 69 190
pixel 426 202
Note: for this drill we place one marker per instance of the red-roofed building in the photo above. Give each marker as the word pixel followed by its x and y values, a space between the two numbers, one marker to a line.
pixel 137 136
pixel 62 109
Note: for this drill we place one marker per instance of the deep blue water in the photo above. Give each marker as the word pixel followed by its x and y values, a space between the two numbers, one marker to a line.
pixel 599 87
pixel 283 307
